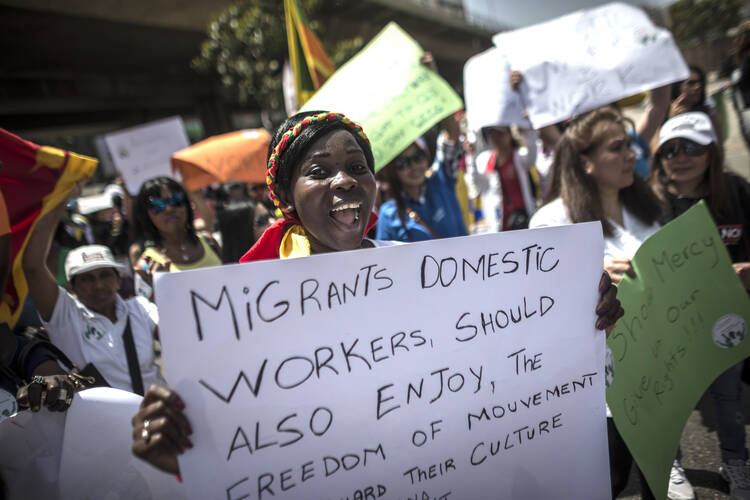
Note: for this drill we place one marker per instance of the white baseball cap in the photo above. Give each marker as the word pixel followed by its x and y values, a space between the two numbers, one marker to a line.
pixel 695 126
pixel 87 258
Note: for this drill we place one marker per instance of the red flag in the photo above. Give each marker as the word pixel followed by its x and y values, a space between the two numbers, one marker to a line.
pixel 33 179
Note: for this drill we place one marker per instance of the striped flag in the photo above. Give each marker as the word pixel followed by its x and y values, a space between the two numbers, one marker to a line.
pixel 33 179
pixel 310 63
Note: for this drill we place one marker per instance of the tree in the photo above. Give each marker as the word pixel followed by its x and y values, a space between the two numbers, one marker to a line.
pixel 247 47
pixel 697 21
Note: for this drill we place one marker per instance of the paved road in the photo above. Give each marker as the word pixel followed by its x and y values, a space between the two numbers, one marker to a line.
pixel 700 450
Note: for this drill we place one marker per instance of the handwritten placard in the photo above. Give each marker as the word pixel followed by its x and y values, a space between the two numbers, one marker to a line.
pixel 444 369
pixel 142 152
pixel 685 323
pixel 489 98
pixel 591 57
pixel 385 89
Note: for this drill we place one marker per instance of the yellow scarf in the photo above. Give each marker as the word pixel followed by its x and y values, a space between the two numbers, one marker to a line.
pixel 294 243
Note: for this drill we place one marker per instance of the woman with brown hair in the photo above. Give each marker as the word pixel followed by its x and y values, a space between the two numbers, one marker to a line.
pixel 596 167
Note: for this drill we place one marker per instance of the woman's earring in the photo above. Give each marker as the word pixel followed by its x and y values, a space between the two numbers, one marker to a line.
pixel 290 208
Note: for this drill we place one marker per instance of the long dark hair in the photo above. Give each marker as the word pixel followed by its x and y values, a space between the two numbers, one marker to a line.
pixel 389 174
pixel 144 231
pixel 714 180
pixel 579 191
pixel 677 90
pixel 294 153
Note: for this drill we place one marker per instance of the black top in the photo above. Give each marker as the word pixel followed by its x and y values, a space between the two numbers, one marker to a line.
pixel 732 225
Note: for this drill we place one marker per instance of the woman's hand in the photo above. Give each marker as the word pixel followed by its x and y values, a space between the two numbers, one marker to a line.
pixel 160 429
pixel 146 267
pixel 50 385
pixel 516 77
pixel 609 310
pixel 428 61
pixel 743 271
pixel 617 268
pixel 678 106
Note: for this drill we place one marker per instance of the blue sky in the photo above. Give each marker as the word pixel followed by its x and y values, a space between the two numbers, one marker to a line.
pixel 515 13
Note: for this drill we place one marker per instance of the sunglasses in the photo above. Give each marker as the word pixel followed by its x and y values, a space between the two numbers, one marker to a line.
pixel 403 162
pixel 673 148
pixel 158 205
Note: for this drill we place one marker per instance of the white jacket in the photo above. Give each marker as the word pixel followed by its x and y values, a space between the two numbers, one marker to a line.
pixel 486 186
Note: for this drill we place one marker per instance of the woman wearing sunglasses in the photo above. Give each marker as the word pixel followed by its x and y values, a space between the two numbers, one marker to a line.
pixel 423 203
pixel 687 168
pixel 165 239
pixel 321 175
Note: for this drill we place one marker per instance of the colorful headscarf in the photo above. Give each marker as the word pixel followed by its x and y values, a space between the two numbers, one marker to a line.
pixel 269 244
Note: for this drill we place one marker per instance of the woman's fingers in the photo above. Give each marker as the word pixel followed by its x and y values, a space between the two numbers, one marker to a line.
pixel 160 429
pixel 617 267
pixel 59 393
pixel 609 309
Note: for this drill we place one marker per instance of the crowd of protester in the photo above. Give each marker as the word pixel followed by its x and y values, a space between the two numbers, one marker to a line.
pixel 90 261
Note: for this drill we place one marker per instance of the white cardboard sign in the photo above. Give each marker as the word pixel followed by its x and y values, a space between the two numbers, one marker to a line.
pixel 142 152
pixel 590 58
pixel 459 368
pixel 487 94
pixel 83 453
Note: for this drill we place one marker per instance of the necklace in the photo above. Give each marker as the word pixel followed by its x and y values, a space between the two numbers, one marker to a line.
pixel 184 252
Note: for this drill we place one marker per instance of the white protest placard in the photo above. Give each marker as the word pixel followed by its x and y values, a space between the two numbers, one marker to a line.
pixel 460 368
pixel 487 93
pixel 97 461
pixel 142 152
pixel 590 58
pixel 30 450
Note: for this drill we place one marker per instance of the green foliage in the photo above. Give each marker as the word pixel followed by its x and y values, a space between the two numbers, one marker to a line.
pixel 696 21
pixel 246 47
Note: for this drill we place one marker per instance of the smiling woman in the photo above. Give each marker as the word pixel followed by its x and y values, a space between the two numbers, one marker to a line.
pixel 320 174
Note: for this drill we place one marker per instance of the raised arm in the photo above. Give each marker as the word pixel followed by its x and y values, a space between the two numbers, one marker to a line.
pixel 650 123
pixel 42 285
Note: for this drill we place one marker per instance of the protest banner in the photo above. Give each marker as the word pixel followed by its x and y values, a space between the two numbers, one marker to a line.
pixel 82 453
pixel 385 89
pixel 30 454
pixel 686 316
pixel 458 368
pixel 589 58
pixel 97 461
pixel 142 152
pixel 487 93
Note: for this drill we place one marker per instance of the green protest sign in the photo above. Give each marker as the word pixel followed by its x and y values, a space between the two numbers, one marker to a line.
pixel 385 89
pixel 685 322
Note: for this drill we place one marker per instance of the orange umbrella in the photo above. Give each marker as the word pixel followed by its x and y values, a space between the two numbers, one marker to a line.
pixel 237 156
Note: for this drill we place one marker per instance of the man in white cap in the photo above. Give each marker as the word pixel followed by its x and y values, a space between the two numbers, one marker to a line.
pixel 98 330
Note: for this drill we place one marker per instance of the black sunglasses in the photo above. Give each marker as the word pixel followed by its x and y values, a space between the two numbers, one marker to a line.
pixel 158 205
pixel 403 162
pixel 673 148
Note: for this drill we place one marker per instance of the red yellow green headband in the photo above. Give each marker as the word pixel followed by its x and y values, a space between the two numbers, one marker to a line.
pixel 289 136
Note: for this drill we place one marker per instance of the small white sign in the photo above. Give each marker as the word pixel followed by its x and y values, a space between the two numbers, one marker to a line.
pixel 142 152
pixel 452 369
pixel 590 58
pixel 487 94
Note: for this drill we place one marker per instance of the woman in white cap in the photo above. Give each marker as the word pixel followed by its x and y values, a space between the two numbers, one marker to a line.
pixel 688 167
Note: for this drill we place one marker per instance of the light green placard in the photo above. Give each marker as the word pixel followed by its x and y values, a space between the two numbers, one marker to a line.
pixel 685 322
pixel 385 89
